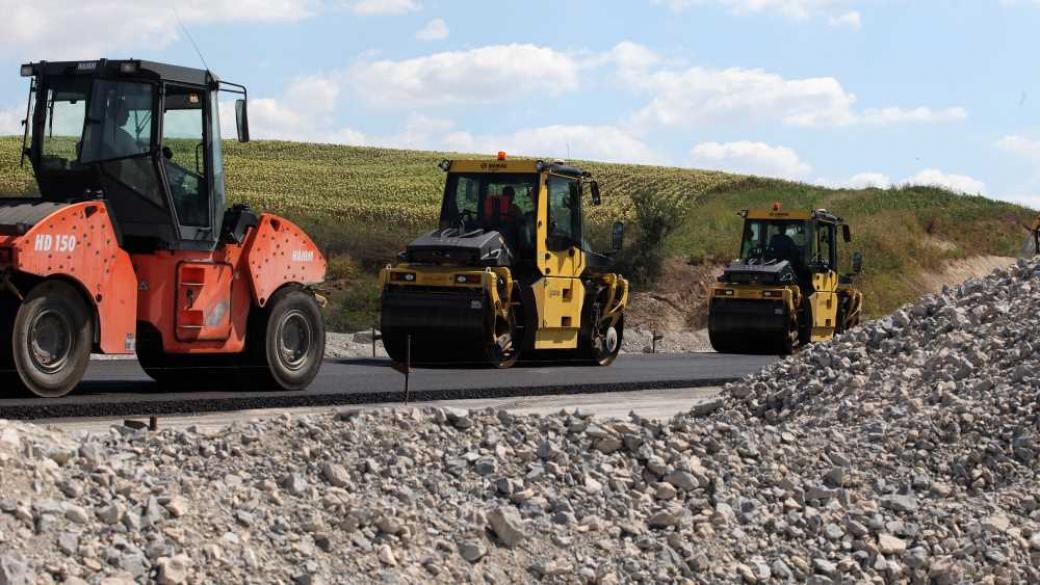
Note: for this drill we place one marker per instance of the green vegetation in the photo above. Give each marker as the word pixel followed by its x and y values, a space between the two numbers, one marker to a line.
pixel 363 204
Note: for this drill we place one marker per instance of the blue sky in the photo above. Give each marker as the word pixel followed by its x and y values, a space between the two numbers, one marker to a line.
pixel 838 92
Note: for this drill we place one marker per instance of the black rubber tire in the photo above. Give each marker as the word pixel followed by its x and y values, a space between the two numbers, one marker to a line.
pixel 177 371
pixel 8 309
pixel 805 326
pixel 598 357
pixel 289 311
pixel 69 329
pixel 505 360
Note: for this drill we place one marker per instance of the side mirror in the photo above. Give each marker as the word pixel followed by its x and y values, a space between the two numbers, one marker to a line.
pixel 242 120
pixel 597 199
pixel 857 262
pixel 618 236
pixel 846 233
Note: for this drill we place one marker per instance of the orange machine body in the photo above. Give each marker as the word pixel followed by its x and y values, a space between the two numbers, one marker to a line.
pixel 199 301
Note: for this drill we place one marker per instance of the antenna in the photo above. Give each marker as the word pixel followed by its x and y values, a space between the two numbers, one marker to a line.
pixel 187 33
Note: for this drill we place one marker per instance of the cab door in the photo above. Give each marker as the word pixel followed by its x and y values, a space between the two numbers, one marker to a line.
pixel 824 300
pixel 559 293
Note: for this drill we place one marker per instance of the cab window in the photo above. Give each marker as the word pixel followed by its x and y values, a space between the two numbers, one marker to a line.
pixel 564 213
pixel 825 245
pixel 184 156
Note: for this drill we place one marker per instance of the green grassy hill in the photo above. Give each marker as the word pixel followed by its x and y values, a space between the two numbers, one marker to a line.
pixel 364 204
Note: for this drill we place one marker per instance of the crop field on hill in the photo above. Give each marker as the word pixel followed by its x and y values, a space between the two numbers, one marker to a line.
pixel 364 204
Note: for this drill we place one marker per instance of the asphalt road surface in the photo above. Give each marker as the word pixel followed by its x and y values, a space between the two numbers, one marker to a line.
pixel 121 388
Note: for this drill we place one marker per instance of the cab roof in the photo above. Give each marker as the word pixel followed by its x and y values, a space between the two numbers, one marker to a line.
pixel 797 214
pixel 122 68
pixel 510 166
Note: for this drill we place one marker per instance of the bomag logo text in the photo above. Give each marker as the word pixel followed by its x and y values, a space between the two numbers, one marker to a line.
pixel 303 256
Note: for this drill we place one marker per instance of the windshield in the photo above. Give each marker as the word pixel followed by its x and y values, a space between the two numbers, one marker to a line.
pixel 771 240
pixel 120 121
pixel 486 201
pixel 64 112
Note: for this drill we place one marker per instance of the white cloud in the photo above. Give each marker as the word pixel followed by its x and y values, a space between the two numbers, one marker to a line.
pixel 485 75
pixel 58 29
pixel 793 9
pixel 305 113
pixel 858 181
pixel 11 121
pixel 435 30
pixel 956 183
pixel 750 158
pixel 924 115
pixel 849 19
pixel 601 143
pixel 385 6
pixel 696 95
pixel 1020 145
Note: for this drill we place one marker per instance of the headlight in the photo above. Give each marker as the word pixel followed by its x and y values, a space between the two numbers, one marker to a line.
pixel 468 278
pixel 724 292
pixel 772 294
pixel 402 276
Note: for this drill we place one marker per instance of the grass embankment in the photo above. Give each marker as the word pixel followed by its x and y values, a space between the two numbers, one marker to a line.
pixel 363 204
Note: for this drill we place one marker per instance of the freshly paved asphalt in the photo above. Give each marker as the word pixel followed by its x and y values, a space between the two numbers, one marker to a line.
pixel 121 388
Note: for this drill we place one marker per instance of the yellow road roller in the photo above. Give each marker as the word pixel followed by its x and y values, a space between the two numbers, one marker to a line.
pixel 506 272
pixel 1031 247
pixel 785 290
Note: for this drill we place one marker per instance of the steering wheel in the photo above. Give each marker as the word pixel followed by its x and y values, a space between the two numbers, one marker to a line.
pixel 466 216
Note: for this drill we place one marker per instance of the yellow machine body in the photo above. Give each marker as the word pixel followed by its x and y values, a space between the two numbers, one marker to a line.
pixel 785 290
pixel 482 289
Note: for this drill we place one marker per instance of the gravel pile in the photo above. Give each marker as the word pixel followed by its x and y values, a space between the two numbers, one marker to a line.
pixel 904 452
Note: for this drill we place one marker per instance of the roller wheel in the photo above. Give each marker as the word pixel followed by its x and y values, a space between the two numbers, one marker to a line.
pixel 790 339
pixel 288 341
pixel 184 371
pixel 8 309
pixel 505 351
pixel 395 343
pixel 50 340
pixel 603 344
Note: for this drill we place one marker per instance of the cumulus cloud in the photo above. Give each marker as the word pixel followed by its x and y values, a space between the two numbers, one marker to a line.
pixel 385 6
pixel 750 158
pixel 956 183
pixel 484 75
pixel 1020 145
pixel 58 29
pixel 849 19
pixel 793 9
pixel 601 143
pixel 11 121
pixel 867 180
pixel 306 113
pixel 435 30
pixel 696 95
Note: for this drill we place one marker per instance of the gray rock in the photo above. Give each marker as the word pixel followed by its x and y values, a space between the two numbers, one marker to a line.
pixel 335 474
pixel 14 570
pixel 173 570
pixel 508 527
pixel 472 550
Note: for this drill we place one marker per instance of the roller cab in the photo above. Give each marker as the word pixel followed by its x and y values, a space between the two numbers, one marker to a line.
pixel 505 272
pixel 1031 246
pixel 130 246
pixel 785 289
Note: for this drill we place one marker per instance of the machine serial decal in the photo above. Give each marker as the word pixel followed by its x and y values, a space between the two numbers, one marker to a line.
pixel 57 243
